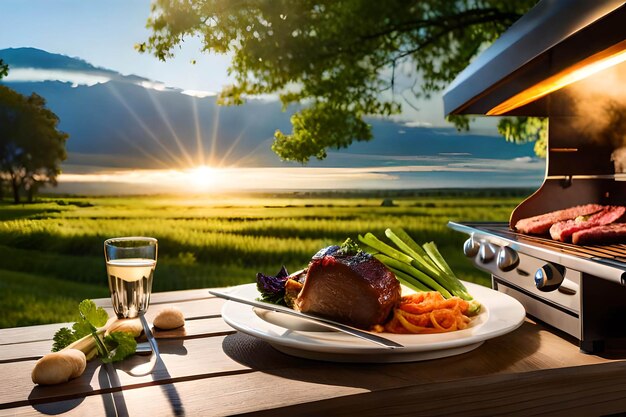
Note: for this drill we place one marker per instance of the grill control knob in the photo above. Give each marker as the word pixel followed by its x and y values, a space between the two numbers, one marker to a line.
pixel 549 277
pixel 508 259
pixel 471 247
pixel 487 252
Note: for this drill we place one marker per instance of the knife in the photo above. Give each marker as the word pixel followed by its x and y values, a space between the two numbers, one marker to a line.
pixel 361 334
pixel 150 336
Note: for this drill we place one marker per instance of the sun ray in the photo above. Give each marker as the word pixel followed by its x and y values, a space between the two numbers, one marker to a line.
pixel 123 136
pixel 196 120
pixel 142 124
pixel 166 120
pixel 250 155
pixel 232 146
pixel 142 150
pixel 214 133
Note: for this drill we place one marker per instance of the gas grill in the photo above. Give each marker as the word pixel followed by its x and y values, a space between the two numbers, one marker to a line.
pixel 564 60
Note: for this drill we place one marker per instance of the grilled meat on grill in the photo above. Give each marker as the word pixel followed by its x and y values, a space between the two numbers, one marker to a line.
pixel 357 290
pixel 563 231
pixel 541 224
pixel 609 233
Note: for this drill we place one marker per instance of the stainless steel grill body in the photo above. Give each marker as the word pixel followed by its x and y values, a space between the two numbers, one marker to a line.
pixel 580 290
pixel 590 302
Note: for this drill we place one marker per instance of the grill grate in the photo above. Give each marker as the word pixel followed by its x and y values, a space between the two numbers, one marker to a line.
pixel 616 252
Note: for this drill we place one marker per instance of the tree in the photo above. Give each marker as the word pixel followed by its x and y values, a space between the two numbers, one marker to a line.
pixel 339 58
pixel 31 147
pixel 4 69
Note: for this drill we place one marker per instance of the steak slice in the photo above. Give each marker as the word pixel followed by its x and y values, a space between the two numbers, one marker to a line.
pixel 539 225
pixel 356 290
pixel 610 233
pixel 563 231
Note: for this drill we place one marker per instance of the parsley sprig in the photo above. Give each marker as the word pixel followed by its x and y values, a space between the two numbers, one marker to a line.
pixel 87 335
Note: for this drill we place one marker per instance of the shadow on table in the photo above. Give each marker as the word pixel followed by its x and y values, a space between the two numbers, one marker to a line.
pixel 114 402
pixel 109 383
pixel 44 393
pixel 58 407
pixel 158 373
pixel 493 356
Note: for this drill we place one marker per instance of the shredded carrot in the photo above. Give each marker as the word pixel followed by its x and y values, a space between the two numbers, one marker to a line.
pixel 428 312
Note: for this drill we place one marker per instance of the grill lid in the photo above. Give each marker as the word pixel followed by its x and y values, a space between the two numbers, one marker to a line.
pixel 551 41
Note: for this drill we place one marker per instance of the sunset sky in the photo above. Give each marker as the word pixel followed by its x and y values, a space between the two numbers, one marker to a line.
pixel 103 34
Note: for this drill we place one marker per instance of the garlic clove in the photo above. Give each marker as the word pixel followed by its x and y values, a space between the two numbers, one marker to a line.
pixel 169 318
pixel 58 367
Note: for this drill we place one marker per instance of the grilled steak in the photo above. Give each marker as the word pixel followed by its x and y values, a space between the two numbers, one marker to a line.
pixel 541 224
pixel 563 231
pixel 610 233
pixel 357 290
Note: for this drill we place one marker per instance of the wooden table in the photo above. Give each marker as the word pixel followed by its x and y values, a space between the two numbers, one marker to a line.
pixel 209 369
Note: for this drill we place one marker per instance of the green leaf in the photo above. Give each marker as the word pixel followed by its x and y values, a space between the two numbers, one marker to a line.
pixel 81 328
pixel 524 130
pixel 96 316
pixel 63 338
pixel 120 345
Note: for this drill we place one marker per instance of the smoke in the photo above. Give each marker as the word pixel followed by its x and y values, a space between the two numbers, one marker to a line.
pixel 600 104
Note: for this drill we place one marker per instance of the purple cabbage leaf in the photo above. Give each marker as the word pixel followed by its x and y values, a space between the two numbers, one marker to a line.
pixel 272 288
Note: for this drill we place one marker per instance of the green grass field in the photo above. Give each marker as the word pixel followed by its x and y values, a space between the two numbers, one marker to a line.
pixel 51 253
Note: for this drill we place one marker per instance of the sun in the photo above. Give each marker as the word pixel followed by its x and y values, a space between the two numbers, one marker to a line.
pixel 202 177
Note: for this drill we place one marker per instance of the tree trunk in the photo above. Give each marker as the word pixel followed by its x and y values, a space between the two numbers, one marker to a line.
pixel 16 190
pixel 31 192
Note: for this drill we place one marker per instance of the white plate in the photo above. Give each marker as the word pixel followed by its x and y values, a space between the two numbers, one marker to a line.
pixel 499 315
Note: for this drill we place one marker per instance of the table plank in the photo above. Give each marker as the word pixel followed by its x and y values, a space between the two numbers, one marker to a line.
pixel 196 308
pixel 166 297
pixel 317 388
pixel 594 390
pixel 194 328
pixel 181 359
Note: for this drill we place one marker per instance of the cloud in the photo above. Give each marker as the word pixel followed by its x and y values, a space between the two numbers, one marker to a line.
pixel 218 179
pixel 418 123
pixel 153 85
pixel 522 164
pixel 89 78
pixel 452 161
pixel 199 93
pixel 525 159
pixel 292 178
pixel 38 75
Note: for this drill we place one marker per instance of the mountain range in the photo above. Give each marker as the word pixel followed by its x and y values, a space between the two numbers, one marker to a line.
pixel 128 121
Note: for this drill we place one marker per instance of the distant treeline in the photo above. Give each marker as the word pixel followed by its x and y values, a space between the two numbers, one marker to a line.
pixel 404 193
pixel 435 192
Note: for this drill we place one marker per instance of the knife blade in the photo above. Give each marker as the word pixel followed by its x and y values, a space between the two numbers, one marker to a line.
pixel 340 327
pixel 149 336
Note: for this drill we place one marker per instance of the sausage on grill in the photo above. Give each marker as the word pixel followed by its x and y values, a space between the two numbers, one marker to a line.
pixel 539 225
pixel 563 231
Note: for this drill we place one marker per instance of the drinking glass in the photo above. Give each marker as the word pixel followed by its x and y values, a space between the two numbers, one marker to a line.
pixel 130 263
